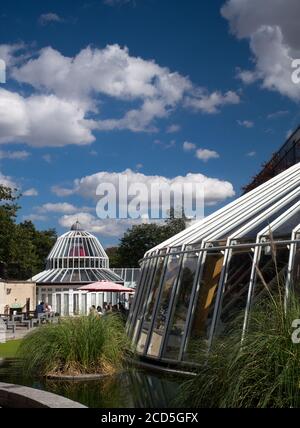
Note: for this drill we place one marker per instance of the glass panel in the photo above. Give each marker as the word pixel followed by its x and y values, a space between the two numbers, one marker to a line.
pixel 169 282
pixel 84 304
pixel 150 264
pixel 285 229
pixel 58 303
pixel 181 306
pixel 66 305
pixel 50 298
pixel 146 304
pixel 234 299
pixel 273 268
pixel 203 312
pixel 76 304
pixel 93 299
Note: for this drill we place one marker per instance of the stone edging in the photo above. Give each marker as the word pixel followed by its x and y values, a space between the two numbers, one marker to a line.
pixel 77 377
pixel 20 397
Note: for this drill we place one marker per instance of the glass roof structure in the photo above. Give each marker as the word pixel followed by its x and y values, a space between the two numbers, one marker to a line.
pixel 77 257
pixel 195 284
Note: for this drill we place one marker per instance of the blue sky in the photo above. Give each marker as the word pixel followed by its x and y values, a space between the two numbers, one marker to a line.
pixel 158 87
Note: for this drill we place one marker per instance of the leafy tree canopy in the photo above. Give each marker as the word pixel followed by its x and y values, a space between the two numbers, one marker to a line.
pixel 23 248
pixel 139 239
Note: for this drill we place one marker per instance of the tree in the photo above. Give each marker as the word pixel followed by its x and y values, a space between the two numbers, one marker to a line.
pixel 139 239
pixel 23 249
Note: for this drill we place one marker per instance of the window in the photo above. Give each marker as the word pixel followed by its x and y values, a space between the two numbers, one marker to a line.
pixel 147 303
pixel 76 304
pixel 204 309
pixel 169 282
pixel 181 306
pixel 235 294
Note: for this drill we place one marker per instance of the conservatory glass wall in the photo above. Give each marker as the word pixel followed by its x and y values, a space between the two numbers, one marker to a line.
pixel 196 285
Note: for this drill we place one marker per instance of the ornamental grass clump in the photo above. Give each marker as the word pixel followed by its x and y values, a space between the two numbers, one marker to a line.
pixel 83 345
pixel 263 371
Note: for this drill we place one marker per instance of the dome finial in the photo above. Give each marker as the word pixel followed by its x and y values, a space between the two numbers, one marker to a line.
pixel 76 226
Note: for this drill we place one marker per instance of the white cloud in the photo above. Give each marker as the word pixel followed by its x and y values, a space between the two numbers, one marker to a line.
pixel 246 123
pixel 272 28
pixel 67 90
pixel 215 190
pixel 205 154
pixel 42 120
pixel 247 76
pixel 47 18
pixel 187 146
pixel 8 181
pixel 16 155
pixel 251 154
pixel 173 128
pixel 60 207
pixel 35 217
pixel 30 192
pixel 211 103
pixel 108 227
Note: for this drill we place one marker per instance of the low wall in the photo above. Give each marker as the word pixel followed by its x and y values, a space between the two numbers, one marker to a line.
pixel 22 397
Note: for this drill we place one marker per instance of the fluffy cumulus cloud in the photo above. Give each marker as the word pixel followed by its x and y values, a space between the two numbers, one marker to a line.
pixel 206 154
pixel 215 190
pixel 188 147
pixel 42 120
pixel 60 207
pixel 272 28
pixel 69 94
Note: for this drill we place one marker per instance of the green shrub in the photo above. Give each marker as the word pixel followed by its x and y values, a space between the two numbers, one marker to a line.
pixel 76 345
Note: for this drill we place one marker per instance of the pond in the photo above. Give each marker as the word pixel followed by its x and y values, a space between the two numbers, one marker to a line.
pixel 131 389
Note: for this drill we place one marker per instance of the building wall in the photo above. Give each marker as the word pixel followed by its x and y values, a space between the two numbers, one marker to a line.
pixel 20 290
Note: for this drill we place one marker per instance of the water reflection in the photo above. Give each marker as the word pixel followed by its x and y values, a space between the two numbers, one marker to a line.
pixel 131 389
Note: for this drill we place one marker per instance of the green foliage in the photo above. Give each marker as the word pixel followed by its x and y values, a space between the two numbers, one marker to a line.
pixel 264 372
pixel 76 345
pixel 139 239
pixel 23 249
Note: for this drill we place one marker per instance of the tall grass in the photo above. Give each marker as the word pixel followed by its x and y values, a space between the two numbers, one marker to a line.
pixel 263 372
pixel 75 346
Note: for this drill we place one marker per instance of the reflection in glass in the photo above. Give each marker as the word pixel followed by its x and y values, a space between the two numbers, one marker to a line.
pixel 181 305
pixel 271 271
pixel 168 285
pixel 154 290
pixel 234 299
pixel 142 304
pixel 203 312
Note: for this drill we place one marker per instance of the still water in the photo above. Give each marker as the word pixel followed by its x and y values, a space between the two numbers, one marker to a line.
pixel 131 389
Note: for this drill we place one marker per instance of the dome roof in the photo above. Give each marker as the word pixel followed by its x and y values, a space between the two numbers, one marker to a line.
pixel 77 257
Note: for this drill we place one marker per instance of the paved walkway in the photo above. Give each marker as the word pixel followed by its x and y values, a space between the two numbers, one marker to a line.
pixel 18 334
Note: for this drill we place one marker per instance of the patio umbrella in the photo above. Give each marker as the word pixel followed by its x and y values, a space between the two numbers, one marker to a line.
pixel 106 286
